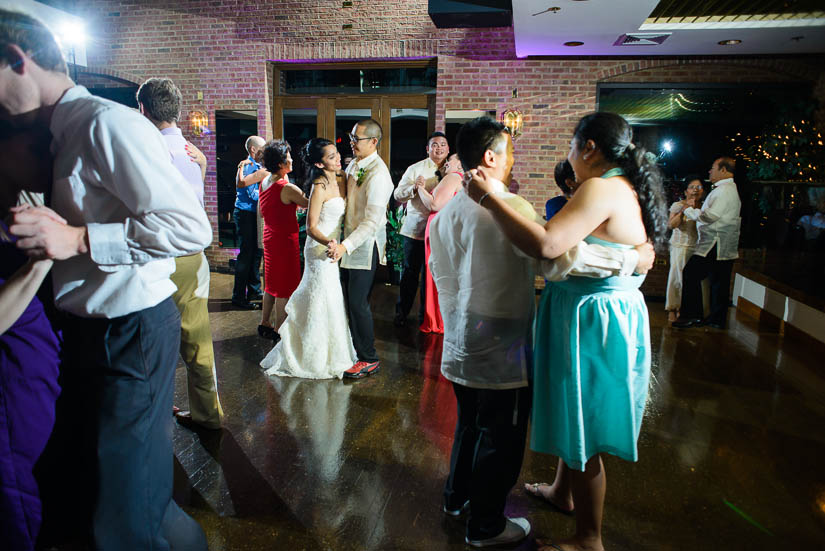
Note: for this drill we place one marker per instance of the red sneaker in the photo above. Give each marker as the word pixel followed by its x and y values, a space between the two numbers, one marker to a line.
pixel 361 369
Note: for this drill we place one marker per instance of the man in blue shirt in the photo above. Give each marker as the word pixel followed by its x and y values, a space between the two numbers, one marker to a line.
pixel 247 264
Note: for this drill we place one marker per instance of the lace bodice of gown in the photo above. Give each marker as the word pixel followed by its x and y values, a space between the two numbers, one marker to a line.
pixel 332 216
pixel 329 224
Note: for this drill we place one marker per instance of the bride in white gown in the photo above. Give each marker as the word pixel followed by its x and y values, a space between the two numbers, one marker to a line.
pixel 315 338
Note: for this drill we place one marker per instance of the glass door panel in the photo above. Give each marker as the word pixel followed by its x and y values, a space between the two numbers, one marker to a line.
pixel 345 120
pixel 232 128
pixel 408 128
pixel 299 126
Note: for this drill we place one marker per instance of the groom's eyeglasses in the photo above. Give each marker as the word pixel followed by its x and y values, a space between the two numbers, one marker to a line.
pixel 356 139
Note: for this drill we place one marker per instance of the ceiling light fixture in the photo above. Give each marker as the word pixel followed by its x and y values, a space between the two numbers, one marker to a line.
pixel 574 43
pixel 729 42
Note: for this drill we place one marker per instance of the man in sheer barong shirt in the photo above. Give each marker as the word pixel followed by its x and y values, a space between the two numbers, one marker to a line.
pixel 369 188
pixel 487 298
pixel 717 224
pixel 424 174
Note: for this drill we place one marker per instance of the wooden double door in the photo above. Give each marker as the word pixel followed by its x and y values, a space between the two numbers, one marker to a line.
pixel 406 121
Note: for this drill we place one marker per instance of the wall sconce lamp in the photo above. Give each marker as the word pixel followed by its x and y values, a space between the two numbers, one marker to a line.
pixel 199 122
pixel 513 119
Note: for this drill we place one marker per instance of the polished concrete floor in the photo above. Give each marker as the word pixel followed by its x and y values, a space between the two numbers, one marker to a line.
pixel 731 451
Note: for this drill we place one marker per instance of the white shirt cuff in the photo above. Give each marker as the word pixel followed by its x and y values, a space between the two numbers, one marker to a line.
pixel 108 245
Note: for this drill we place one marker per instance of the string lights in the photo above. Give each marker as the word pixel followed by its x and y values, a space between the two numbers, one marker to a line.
pixel 792 151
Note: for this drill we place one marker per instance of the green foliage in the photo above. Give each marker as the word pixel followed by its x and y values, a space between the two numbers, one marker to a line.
pixel 789 149
pixel 395 242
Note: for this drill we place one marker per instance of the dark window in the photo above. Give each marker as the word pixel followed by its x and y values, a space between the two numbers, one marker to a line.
pixel 413 80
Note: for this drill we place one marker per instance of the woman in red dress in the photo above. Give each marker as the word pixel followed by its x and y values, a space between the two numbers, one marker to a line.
pixel 443 192
pixel 278 201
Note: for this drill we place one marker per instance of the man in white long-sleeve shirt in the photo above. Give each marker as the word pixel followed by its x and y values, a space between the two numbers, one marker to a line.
pixel 717 224
pixel 126 214
pixel 423 174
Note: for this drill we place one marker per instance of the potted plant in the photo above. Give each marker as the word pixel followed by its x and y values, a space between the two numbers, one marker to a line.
pixel 395 243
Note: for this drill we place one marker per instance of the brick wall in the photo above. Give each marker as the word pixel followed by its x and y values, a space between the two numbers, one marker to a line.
pixel 222 49
pixel 95 80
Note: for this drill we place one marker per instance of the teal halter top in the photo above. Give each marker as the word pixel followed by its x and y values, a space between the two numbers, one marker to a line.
pixel 593 239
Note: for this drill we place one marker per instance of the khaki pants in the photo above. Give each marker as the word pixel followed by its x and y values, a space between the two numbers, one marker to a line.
pixel 192 280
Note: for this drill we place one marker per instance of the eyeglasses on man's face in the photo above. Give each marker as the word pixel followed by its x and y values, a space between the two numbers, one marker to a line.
pixel 354 138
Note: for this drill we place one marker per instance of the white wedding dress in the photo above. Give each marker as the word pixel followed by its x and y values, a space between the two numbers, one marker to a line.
pixel 315 339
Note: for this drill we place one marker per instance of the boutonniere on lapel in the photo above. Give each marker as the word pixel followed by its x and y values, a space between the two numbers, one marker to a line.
pixel 359 176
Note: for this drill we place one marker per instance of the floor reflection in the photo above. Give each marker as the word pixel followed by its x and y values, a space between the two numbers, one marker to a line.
pixel 733 434
pixel 316 415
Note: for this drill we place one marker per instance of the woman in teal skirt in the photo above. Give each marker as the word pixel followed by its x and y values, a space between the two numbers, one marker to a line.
pixel 592 353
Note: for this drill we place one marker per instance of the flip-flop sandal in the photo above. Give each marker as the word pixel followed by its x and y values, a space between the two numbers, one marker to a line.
pixel 533 490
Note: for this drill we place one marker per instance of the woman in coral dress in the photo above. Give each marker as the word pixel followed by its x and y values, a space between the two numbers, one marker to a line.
pixel 443 192
pixel 278 201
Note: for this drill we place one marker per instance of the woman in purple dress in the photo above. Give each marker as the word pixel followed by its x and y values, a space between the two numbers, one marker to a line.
pixel 29 359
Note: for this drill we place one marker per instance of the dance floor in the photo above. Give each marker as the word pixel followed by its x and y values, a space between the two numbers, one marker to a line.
pixel 730 453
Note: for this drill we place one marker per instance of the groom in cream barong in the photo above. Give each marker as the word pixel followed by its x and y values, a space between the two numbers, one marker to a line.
pixel 369 188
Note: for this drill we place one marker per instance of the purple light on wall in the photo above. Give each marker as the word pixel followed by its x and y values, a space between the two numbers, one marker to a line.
pixel 336 60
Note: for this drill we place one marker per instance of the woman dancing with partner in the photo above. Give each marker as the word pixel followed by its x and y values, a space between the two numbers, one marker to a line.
pixel 682 243
pixel 315 338
pixel 441 195
pixel 592 348
pixel 278 200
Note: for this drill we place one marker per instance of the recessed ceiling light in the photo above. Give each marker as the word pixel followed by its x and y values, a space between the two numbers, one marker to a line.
pixel 729 42
pixel 574 43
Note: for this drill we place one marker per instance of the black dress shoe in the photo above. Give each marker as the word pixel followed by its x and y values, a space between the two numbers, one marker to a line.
pixel 246 305
pixel 184 418
pixel 714 324
pixel 268 333
pixel 684 323
pixel 254 297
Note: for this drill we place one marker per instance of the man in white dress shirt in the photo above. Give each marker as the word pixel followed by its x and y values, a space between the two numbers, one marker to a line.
pixel 369 188
pixel 423 174
pixel 717 224
pixel 487 297
pixel 126 213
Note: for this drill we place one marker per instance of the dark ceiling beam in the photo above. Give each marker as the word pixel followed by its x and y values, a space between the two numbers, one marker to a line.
pixel 709 8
